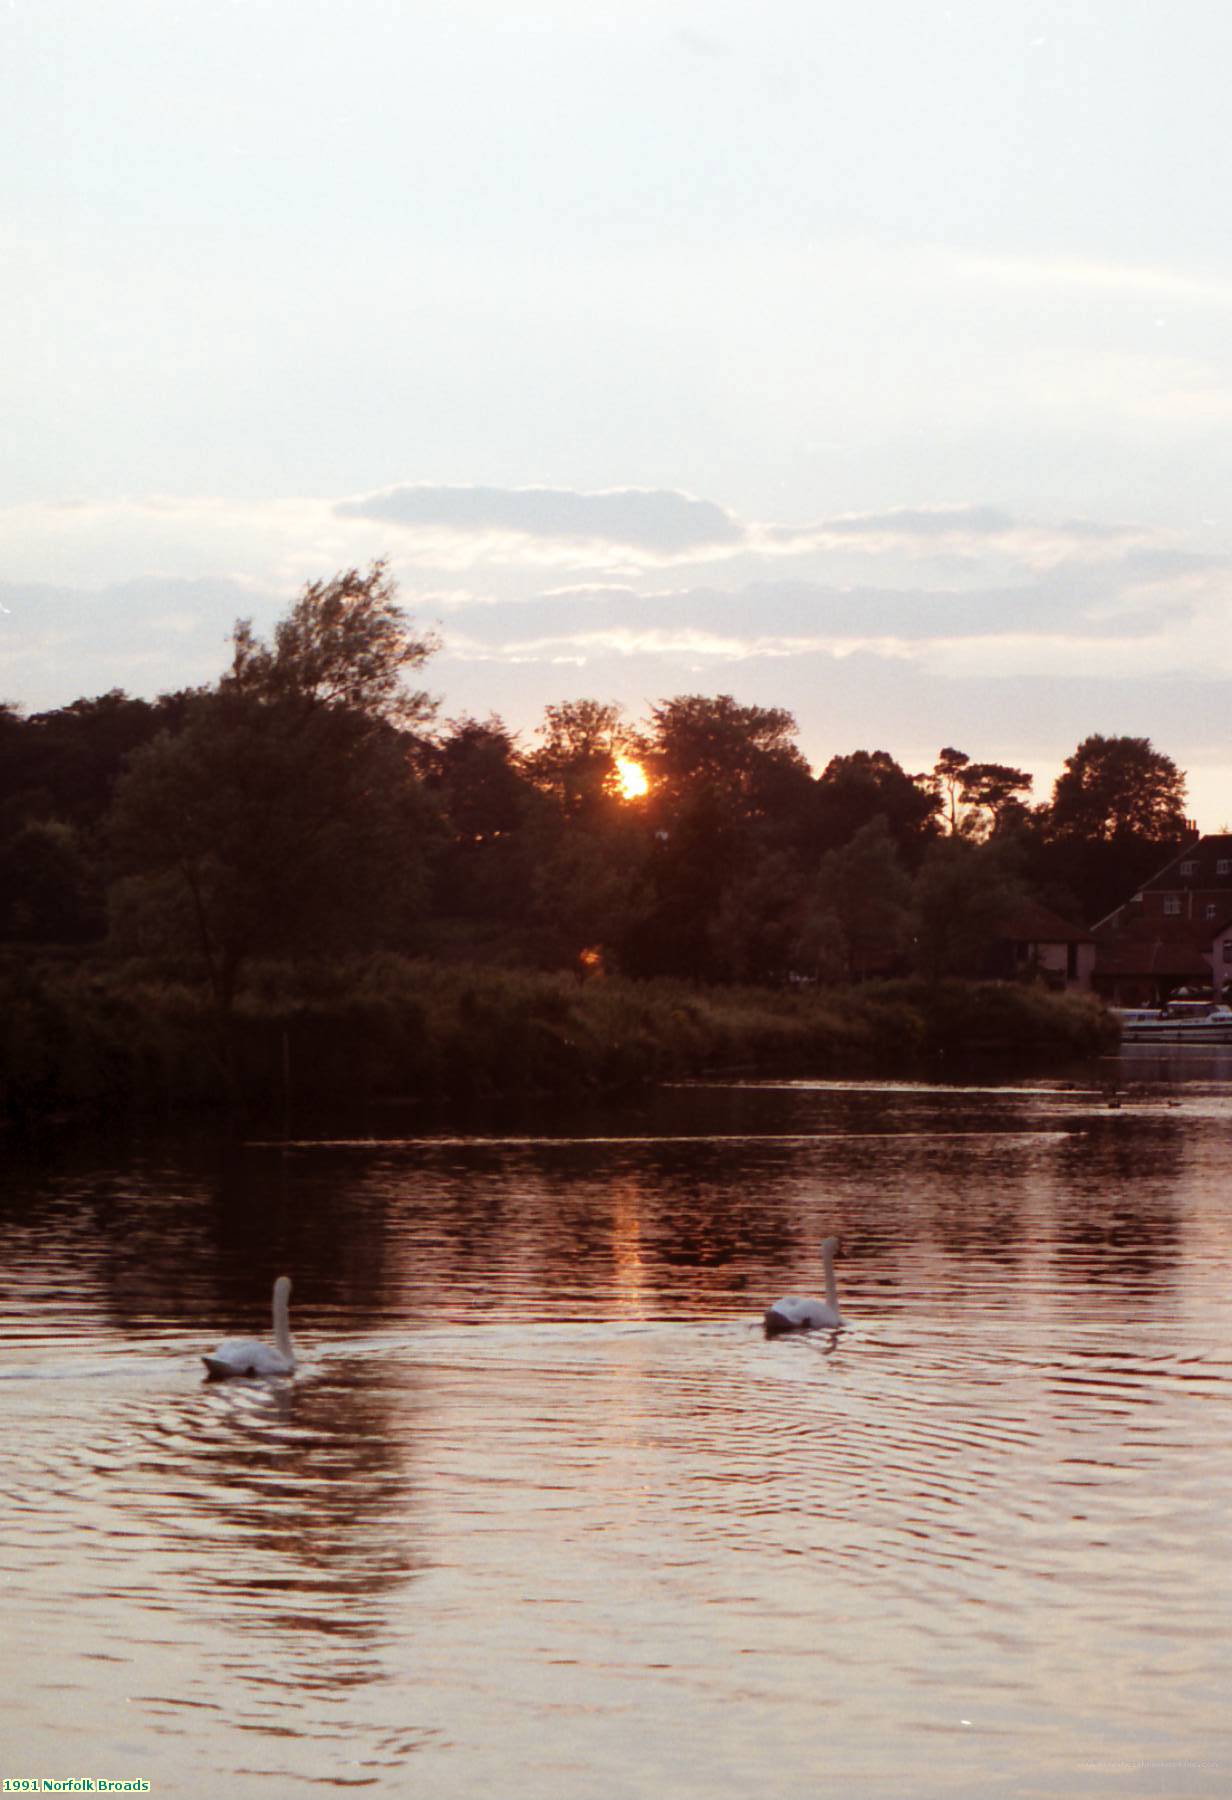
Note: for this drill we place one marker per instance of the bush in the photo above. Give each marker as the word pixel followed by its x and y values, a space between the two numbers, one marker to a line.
pixel 105 1034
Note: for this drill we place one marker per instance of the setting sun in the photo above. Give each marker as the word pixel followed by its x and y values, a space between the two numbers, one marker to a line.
pixel 631 779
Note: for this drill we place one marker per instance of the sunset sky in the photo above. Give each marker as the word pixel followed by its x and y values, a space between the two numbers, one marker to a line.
pixel 872 362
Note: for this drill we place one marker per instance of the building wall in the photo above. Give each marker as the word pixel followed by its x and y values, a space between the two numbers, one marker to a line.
pixel 1192 905
pixel 1221 960
pixel 1062 965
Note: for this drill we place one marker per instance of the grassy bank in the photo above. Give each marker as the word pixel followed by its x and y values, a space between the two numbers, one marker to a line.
pixel 103 1035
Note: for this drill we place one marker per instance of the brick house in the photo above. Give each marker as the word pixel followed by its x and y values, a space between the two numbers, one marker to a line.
pixel 1174 932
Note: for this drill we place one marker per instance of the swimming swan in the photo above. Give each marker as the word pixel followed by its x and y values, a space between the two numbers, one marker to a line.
pixel 249 1356
pixel 794 1312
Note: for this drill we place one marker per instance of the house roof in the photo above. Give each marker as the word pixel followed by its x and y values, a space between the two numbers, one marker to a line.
pixel 1035 924
pixel 1205 852
pixel 1196 933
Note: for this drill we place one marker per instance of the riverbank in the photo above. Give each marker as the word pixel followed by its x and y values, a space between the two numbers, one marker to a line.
pixel 99 1035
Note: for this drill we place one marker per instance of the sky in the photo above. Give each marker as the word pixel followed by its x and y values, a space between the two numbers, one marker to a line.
pixel 873 362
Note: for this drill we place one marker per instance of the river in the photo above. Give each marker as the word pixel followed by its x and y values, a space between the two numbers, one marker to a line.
pixel 544 1515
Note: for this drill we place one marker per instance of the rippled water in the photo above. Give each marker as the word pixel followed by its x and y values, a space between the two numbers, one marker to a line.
pixel 543 1514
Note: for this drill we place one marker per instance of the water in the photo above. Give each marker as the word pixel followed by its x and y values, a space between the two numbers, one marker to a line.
pixel 544 1515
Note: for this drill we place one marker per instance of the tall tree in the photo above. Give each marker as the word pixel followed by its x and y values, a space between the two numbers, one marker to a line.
pixel 859 915
pixel 993 799
pixel 963 893
pixel 286 812
pixel 867 784
pixel 755 928
pixel 1117 814
pixel 1113 787
pixel 947 776
pixel 728 788
pixel 745 753
pixel 345 643
pixel 488 807
pixel 577 761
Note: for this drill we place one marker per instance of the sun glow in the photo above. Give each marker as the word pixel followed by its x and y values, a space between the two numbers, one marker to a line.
pixel 631 782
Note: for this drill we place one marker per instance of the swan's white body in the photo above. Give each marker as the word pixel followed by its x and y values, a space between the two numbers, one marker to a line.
pixel 249 1356
pixel 798 1312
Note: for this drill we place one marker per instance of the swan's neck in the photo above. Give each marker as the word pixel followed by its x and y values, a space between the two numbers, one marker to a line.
pixel 282 1324
pixel 827 1257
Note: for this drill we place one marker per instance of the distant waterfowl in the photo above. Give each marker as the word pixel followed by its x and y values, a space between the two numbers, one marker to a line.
pixel 249 1356
pixel 797 1312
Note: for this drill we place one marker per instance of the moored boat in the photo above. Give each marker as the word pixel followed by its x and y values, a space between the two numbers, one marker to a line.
pixel 1179 1022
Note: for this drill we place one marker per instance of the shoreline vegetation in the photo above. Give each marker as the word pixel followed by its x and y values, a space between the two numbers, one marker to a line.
pixel 96 1036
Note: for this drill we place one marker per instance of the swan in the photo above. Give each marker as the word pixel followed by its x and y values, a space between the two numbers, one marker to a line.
pixel 795 1312
pixel 249 1356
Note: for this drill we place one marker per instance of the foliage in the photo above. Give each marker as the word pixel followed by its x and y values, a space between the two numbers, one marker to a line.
pixel 962 894
pixel 590 892
pixel 979 799
pixel 861 901
pixel 755 927
pixel 484 864
pixel 103 1036
pixel 1115 787
pixel 308 804
pixel 286 811
pixel 576 763
pixel 742 758
pixel 49 887
pixel 284 833
pixel 866 785
pixel 344 644
pixel 729 788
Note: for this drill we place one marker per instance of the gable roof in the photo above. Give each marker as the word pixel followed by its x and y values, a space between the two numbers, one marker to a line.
pixel 1032 923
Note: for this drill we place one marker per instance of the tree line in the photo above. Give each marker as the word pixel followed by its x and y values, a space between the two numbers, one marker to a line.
pixel 311 803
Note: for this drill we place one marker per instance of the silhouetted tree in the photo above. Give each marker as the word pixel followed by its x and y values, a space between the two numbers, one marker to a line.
pixel 286 812
pixel 992 799
pixel 484 866
pixel 590 891
pixel 947 778
pixel 859 916
pixel 1115 787
pixel 1117 815
pixel 755 928
pixel 51 891
pixel 746 755
pixel 728 788
pixel 58 771
pixel 345 645
pixel 867 784
pixel 962 894
pixel 576 762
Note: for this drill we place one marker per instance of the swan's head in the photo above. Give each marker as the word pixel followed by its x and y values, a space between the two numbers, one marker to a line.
pixel 829 1248
pixel 282 1290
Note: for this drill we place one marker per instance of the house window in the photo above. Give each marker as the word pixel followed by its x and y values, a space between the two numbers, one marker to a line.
pixel 1172 903
pixel 1211 910
pixel 1224 866
pixel 1189 868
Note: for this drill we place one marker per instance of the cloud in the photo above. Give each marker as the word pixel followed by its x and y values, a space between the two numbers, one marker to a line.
pixel 963 531
pixel 472 542
pixel 789 618
pixel 647 522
